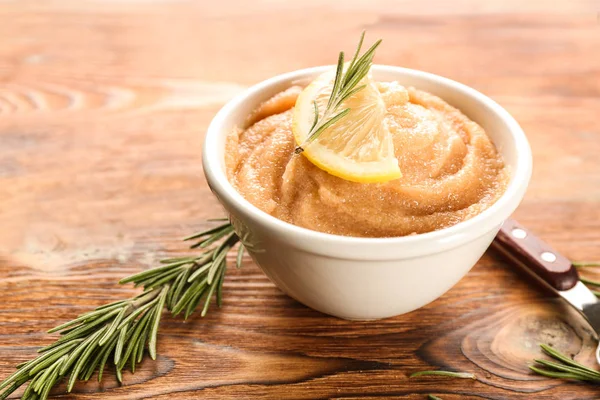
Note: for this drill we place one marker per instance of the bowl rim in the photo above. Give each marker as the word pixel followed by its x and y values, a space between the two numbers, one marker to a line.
pixel 450 236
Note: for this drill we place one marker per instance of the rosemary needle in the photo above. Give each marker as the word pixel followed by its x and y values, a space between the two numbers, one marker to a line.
pixel 564 368
pixel 120 332
pixel 583 264
pixel 592 283
pixel 589 281
pixel 463 375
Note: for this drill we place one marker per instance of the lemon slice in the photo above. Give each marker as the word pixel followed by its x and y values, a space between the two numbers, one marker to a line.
pixel 359 146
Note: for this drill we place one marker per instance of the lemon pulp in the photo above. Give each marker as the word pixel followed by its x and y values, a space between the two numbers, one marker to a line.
pixel 358 147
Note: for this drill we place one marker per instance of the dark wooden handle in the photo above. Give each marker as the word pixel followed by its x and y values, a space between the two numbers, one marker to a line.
pixel 536 256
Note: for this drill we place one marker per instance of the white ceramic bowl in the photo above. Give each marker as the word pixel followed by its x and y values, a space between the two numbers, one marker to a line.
pixel 368 278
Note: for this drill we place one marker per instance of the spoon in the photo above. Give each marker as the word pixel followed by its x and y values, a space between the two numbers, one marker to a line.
pixel 550 269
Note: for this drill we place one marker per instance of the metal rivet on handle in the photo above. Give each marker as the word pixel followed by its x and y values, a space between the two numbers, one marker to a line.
pixel 548 257
pixel 519 233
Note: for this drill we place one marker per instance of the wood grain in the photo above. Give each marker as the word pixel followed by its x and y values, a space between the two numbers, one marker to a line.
pixel 103 106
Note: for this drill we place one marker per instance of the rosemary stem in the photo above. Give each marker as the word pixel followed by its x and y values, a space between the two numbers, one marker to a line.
pixel 147 297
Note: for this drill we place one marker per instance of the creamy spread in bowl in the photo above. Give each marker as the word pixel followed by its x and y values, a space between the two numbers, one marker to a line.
pixel 451 170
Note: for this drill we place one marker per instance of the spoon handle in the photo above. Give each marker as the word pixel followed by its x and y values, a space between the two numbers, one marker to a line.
pixel 535 256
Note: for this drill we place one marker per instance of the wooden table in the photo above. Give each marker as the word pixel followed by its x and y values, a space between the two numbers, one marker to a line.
pixel 103 107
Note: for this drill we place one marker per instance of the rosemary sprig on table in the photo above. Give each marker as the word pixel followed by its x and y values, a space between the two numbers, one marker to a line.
pixel 565 368
pixel 345 85
pixel 450 374
pixel 119 332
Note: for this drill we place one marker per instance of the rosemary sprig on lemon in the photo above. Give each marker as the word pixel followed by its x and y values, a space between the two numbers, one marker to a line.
pixel 338 123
